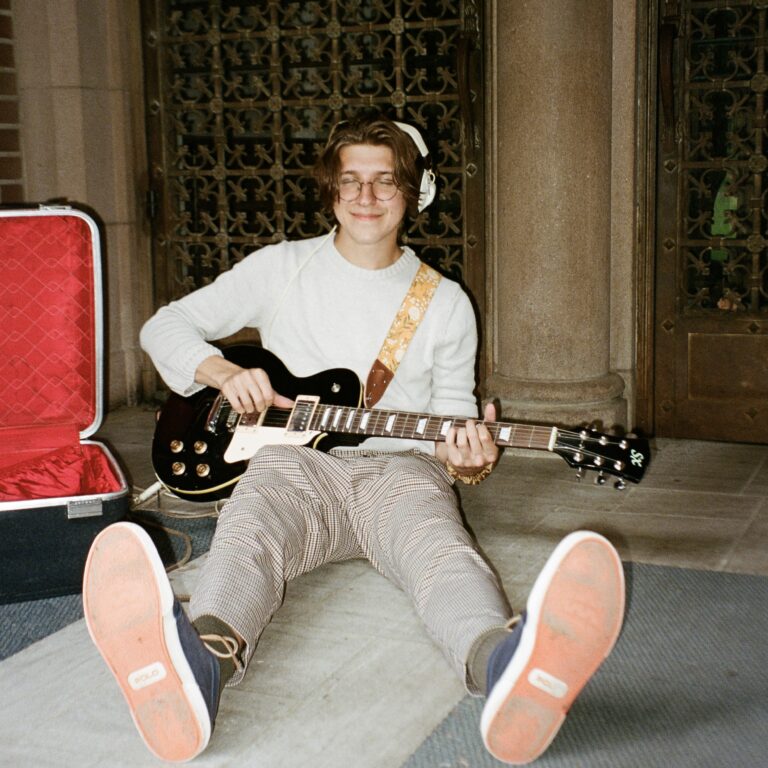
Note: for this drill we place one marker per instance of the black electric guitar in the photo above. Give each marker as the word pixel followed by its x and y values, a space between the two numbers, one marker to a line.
pixel 201 445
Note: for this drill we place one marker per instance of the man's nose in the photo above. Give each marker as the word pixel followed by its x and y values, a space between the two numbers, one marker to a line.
pixel 366 193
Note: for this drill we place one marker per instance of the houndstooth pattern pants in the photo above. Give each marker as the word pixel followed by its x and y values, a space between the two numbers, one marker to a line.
pixel 298 508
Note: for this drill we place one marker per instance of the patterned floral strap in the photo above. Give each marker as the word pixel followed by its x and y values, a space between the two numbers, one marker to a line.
pixel 401 332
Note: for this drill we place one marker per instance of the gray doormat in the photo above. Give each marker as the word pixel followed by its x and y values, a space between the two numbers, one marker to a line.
pixel 686 685
pixel 24 623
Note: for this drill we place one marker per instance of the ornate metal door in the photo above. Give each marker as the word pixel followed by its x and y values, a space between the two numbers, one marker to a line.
pixel 711 349
pixel 242 95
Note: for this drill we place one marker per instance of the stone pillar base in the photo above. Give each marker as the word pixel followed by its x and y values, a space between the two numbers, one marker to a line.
pixel 597 402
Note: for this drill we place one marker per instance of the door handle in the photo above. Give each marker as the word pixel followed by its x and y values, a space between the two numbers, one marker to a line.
pixel 667 35
pixel 464 71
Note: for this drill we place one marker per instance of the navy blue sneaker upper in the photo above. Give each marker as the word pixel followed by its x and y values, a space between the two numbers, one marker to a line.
pixel 502 654
pixel 204 664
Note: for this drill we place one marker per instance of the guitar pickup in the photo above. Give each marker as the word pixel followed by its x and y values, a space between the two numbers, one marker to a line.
pixel 303 411
pixel 273 426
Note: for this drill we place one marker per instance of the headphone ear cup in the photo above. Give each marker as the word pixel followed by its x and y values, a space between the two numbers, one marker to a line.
pixel 428 189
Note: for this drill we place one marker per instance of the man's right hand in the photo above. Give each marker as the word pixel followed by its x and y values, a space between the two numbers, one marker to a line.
pixel 247 389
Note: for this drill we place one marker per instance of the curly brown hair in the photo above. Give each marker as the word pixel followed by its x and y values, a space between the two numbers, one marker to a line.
pixel 377 130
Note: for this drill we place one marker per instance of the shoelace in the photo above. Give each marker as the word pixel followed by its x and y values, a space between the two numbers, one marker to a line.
pixel 514 621
pixel 230 644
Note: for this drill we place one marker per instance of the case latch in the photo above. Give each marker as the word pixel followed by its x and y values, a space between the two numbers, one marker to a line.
pixel 84 508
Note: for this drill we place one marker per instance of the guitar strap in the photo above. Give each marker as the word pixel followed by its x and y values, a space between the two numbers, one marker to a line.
pixel 400 333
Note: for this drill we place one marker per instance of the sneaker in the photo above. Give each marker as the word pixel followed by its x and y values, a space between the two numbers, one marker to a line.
pixel 167 676
pixel 573 618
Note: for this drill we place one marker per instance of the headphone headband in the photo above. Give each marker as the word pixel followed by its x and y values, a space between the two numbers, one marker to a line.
pixel 428 188
pixel 415 135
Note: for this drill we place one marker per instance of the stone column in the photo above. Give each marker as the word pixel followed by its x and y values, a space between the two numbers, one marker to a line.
pixel 550 236
pixel 82 132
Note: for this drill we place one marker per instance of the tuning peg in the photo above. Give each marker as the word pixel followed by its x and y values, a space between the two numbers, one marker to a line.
pixel 600 479
pixel 579 474
pixel 620 485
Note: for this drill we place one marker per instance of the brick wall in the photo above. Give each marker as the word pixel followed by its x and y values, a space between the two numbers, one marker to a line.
pixel 11 189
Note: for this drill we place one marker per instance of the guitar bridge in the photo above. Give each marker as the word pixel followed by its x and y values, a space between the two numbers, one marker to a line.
pixel 221 410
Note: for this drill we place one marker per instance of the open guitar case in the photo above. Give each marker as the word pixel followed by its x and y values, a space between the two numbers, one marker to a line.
pixel 58 487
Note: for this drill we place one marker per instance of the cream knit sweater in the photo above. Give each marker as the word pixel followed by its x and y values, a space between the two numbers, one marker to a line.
pixel 315 310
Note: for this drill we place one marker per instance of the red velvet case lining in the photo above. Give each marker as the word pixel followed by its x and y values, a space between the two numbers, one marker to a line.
pixel 48 365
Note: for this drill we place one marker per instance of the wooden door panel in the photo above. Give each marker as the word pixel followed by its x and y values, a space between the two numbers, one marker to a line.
pixel 711 293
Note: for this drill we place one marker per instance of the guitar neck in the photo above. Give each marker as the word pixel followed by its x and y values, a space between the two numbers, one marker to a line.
pixel 308 415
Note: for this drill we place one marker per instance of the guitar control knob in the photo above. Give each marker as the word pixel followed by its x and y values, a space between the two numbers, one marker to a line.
pixel 178 468
pixel 201 446
pixel 203 470
pixel 176 446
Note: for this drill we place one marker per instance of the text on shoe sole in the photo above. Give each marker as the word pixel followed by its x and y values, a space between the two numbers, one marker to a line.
pixel 149 675
pixel 547 683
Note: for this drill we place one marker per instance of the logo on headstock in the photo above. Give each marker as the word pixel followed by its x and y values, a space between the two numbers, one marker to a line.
pixel 636 458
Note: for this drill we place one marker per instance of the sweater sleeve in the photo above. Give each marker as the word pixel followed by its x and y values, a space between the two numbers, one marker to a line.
pixel 453 372
pixel 177 336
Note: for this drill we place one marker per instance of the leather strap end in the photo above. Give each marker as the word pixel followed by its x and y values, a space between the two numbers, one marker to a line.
pixel 378 380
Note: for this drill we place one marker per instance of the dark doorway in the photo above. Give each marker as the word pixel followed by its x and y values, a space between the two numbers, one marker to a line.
pixel 711 246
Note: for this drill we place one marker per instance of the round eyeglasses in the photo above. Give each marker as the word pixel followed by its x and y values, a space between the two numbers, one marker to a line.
pixel 382 189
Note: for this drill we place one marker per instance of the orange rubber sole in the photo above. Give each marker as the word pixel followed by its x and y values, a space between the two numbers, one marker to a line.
pixel 574 617
pixel 128 605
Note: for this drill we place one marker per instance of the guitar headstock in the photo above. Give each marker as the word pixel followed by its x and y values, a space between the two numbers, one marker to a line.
pixel 626 458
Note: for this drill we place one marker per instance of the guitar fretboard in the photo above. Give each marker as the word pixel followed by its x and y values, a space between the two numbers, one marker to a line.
pixel 372 422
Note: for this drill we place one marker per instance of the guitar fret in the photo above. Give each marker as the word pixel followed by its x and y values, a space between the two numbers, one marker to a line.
pixel 353 414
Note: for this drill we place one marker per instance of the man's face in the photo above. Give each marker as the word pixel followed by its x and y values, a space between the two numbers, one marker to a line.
pixel 368 221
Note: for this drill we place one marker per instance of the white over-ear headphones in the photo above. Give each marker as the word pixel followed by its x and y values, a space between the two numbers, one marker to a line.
pixel 428 188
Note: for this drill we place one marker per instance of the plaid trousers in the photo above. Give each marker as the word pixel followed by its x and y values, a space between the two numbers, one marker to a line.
pixel 298 508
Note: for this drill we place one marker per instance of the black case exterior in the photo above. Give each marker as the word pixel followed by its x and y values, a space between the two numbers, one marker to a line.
pixel 43 549
pixel 44 542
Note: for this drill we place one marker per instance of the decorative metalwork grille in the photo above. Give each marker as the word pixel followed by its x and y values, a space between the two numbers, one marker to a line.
pixel 246 94
pixel 723 180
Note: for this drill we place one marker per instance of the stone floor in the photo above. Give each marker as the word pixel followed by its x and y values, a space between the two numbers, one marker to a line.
pixel 345 676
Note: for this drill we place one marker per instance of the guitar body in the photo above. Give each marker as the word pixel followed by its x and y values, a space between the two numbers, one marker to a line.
pixel 188 443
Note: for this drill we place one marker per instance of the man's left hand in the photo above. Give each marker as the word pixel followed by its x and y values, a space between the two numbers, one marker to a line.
pixel 471 447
